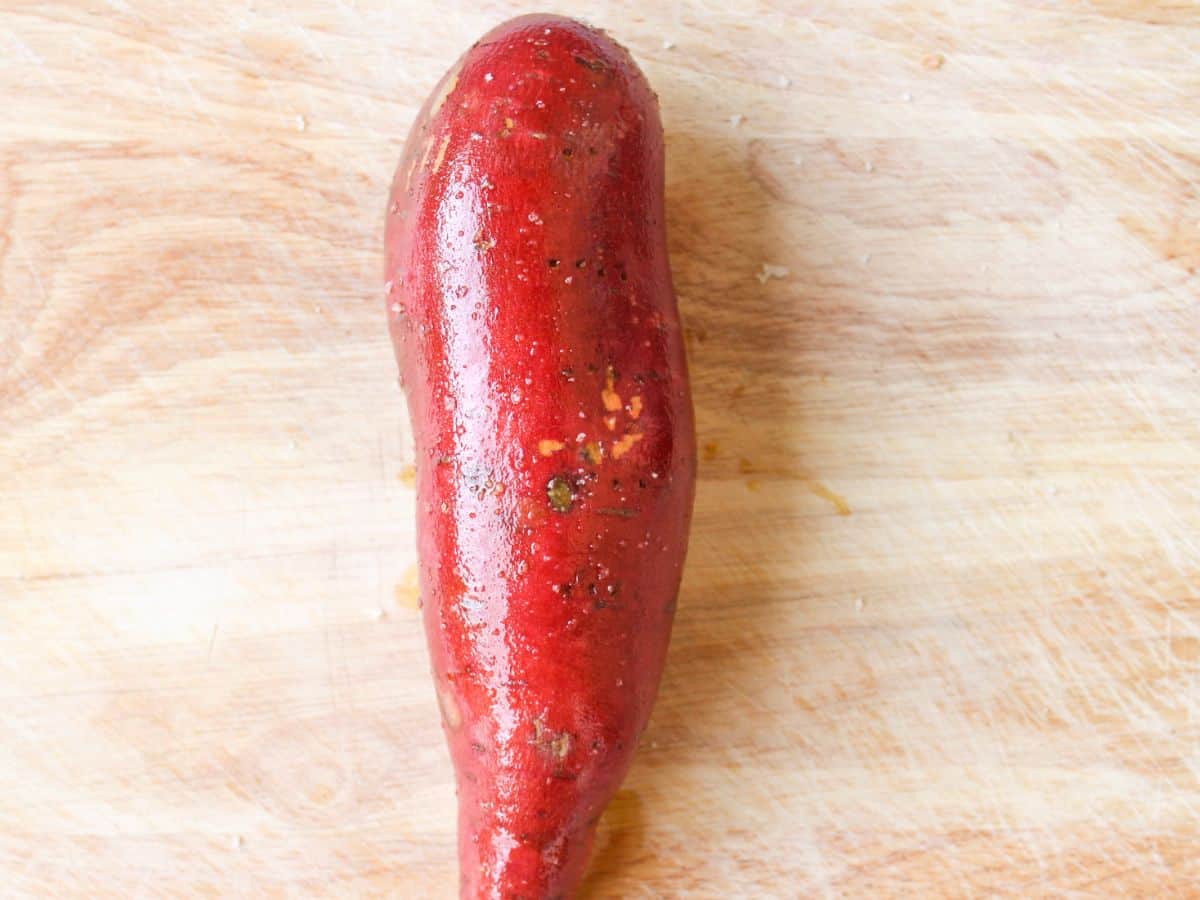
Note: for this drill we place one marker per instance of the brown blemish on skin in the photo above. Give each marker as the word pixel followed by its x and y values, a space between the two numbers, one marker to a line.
pixel 619 511
pixel 593 453
pixel 612 400
pixel 594 64
pixel 561 745
pixel 838 501
pixel 549 447
pixel 635 407
pixel 624 445
pixel 560 493
pixel 555 744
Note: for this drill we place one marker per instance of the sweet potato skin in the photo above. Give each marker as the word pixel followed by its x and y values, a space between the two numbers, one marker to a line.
pixel 535 325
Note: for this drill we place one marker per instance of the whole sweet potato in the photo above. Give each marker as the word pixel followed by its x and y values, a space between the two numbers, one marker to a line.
pixel 534 321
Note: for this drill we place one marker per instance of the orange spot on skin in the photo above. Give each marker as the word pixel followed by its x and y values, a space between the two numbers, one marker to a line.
pixel 593 453
pixel 610 422
pixel 441 154
pixel 612 400
pixel 624 445
pixel 635 407
pixel 549 447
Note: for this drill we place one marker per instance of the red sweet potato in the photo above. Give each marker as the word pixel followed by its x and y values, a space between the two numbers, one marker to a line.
pixel 535 325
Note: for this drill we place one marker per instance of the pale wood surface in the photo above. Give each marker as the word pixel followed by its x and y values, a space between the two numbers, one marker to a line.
pixel 940 629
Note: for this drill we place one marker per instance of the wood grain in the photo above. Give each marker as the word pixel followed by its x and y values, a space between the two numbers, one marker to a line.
pixel 940 631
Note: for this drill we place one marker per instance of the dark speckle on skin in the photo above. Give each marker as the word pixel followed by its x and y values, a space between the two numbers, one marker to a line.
pixel 561 494
pixel 594 64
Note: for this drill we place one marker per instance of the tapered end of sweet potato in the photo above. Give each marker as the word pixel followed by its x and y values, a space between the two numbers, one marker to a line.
pixel 497 864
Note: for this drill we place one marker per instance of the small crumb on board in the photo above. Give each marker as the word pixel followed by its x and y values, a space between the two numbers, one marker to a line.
pixel 769 271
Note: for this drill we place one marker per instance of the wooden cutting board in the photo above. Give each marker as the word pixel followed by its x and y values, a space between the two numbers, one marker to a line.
pixel 940 629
